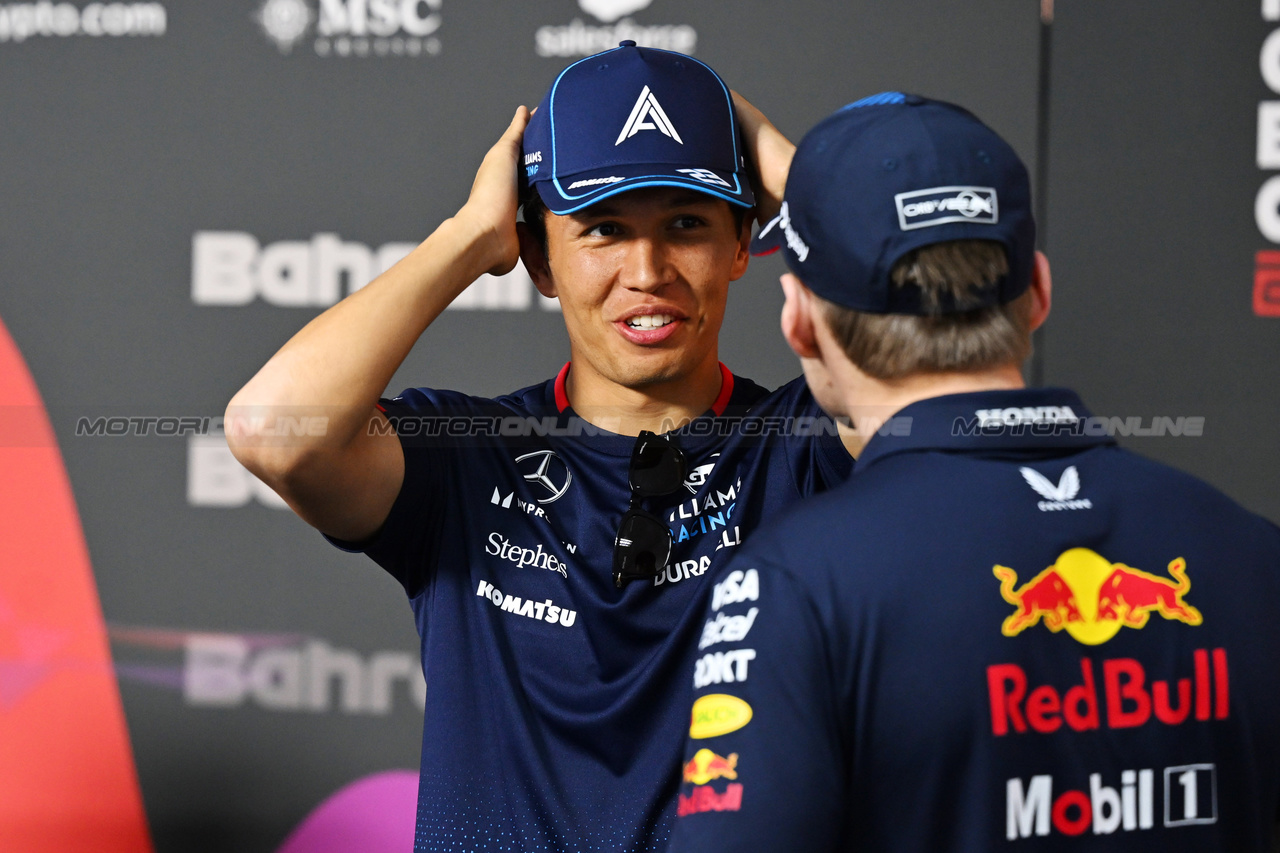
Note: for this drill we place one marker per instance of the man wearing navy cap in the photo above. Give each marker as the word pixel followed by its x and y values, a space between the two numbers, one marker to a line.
pixel 555 542
pixel 1004 632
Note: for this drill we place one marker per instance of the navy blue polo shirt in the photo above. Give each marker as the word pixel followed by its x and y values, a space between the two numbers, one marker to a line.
pixel 556 703
pixel 1003 633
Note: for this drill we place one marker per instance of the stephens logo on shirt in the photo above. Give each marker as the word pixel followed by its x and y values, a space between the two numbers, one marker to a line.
pixel 501 547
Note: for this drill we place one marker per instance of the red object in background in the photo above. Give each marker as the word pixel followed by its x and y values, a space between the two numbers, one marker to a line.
pixel 67 778
pixel 1266 284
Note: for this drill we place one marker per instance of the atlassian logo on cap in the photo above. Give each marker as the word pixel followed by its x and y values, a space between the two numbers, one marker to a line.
pixel 923 208
pixel 647 107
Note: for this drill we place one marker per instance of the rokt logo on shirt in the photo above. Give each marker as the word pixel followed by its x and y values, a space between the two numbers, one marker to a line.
pixel 1093 598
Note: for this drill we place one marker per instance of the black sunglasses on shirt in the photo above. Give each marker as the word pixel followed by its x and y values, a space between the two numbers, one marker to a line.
pixel 643 544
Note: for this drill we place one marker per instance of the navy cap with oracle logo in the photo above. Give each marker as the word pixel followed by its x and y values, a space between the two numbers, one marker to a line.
pixel 634 117
pixel 887 175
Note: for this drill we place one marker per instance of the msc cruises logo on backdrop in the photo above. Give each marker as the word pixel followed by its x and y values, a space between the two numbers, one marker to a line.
pixel 578 38
pixel 359 28
pixel 21 21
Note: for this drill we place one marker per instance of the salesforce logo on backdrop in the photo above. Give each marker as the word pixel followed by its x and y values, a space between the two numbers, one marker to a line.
pixel 359 28
pixel 583 39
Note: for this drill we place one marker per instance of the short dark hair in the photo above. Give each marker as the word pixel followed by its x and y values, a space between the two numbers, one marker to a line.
pixel 894 346
pixel 534 214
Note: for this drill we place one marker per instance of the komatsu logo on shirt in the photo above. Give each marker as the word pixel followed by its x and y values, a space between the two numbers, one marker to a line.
pixel 939 205
pixel 545 611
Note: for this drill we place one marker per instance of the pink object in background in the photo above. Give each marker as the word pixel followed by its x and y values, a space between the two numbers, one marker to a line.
pixel 375 814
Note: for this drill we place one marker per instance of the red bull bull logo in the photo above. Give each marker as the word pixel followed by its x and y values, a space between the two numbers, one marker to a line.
pixel 1093 598
pixel 706 766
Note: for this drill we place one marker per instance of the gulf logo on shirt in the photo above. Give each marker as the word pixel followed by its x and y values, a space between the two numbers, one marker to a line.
pixel 1093 598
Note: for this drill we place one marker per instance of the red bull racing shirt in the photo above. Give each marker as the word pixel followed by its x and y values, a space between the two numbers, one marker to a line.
pixel 1003 633
pixel 556 703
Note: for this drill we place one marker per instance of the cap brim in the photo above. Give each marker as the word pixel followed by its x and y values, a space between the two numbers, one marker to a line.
pixel 570 193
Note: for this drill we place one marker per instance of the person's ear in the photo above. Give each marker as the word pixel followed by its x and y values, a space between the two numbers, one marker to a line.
pixel 743 256
pixel 534 258
pixel 1041 291
pixel 798 318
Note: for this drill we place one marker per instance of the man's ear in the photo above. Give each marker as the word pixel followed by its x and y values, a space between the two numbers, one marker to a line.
pixel 1041 291
pixel 799 317
pixel 534 258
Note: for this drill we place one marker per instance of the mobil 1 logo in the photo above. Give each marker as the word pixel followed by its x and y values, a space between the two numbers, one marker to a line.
pixel 1038 806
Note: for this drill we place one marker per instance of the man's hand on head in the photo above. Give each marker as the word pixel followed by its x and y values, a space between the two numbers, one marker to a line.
pixel 769 156
pixel 491 208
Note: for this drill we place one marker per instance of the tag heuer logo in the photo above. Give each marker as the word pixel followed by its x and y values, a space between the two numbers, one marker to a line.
pixel 938 205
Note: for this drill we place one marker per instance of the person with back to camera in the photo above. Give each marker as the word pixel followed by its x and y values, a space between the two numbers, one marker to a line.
pixel 1003 632
pixel 555 552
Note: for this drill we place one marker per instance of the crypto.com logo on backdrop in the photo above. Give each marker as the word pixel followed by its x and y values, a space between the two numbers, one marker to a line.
pixel 583 39
pixel 360 28
pixel 21 21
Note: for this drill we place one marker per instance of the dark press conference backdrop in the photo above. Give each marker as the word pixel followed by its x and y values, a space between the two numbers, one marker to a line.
pixel 183 185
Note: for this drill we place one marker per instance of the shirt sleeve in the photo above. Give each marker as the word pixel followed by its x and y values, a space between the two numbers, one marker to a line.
pixel 408 543
pixel 764 760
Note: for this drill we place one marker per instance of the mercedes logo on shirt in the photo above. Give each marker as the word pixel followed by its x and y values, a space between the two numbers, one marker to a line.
pixel 547 470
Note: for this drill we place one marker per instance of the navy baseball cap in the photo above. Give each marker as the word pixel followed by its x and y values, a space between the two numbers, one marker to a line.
pixel 634 117
pixel 889 174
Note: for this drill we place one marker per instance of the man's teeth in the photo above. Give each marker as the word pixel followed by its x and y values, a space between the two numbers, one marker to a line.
pixel 650 321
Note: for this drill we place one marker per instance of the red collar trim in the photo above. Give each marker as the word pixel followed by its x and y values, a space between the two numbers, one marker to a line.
pixel 562 396
pixel 726 391
pixel 718 407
